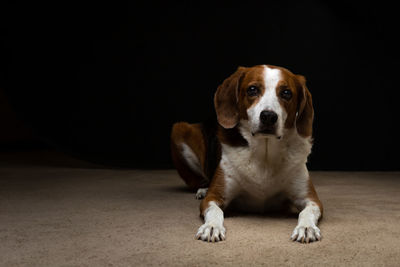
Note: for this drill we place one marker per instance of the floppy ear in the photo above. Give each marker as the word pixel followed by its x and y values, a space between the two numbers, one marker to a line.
pixel 226 100
pixel 305 110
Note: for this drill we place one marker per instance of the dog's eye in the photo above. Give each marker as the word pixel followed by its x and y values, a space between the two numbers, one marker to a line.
pixel 286 94
pixel 252 91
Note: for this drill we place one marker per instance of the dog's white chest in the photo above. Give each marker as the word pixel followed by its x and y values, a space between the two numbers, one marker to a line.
pixel 264 168
pixel 254 171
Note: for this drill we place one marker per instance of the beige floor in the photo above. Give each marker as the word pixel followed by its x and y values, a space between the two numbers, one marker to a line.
pixel 58 212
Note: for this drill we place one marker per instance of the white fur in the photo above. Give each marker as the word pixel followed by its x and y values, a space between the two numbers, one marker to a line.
pixel 264 168
pixel 213 229
pixel 191 159
pixel 268 101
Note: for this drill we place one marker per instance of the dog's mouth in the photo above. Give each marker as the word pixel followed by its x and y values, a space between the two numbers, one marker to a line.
pixel 266 132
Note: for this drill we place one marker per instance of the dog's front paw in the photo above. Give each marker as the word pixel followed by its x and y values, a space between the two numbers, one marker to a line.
pixel 306 233
pixel 211 232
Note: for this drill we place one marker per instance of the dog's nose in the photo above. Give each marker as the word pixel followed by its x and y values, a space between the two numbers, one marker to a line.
pixel 268 117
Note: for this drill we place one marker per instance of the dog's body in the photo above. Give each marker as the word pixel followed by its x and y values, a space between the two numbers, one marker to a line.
pixel 257 152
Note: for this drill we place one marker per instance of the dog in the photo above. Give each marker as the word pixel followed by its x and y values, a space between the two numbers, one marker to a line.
pixel 254 155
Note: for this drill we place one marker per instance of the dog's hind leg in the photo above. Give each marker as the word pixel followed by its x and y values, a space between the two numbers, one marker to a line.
pixel 188 149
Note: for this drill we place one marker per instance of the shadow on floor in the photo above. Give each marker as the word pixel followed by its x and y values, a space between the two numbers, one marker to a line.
pixel 180 189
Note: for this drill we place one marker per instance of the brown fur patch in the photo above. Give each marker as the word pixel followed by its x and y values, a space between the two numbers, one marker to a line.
pixel 226 98
pixel 215 192
pixel 252 77
pixel 289 82
pixel 312 195
pixel 306 111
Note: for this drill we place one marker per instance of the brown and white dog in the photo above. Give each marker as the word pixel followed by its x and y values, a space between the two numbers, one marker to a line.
pixel 257 152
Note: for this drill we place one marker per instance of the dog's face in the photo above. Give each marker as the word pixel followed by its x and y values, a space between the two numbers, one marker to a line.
pixel 265 100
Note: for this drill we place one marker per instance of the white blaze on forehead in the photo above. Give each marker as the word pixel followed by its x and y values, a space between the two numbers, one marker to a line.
pixel 268 101
pixel 271 78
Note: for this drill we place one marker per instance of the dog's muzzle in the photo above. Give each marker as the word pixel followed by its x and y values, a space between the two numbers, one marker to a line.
pixel 268 119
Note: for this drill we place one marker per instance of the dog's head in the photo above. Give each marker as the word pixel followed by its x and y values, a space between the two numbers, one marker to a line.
pixel 265 100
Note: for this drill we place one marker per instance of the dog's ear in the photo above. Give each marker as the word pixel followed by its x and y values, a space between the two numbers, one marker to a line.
pixel 305 115
pixel 226 100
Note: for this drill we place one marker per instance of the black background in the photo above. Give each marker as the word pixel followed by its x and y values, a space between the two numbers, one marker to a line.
pixel 105 82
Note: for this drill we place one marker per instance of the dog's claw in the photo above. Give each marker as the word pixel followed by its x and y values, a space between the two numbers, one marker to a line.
pixel 305 234
pixel 211 233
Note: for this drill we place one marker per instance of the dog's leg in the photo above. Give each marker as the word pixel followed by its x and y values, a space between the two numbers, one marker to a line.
pixel 213 229
pixel 311 211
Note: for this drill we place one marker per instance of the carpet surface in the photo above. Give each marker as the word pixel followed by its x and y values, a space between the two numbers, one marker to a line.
pixel 55 211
